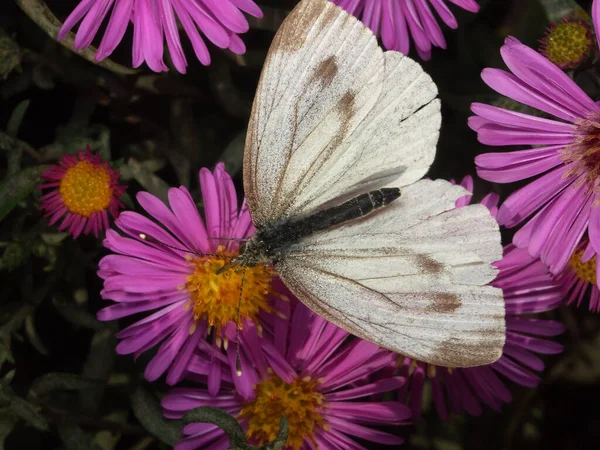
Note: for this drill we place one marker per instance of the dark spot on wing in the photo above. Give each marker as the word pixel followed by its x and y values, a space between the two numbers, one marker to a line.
pixel 326 71
pixel 300 22
pixel 428 264
pixel 444 303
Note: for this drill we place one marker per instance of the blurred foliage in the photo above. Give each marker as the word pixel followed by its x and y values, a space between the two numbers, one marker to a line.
pixel 62 385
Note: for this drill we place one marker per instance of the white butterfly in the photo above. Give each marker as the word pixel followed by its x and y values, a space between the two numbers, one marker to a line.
pixel 335 117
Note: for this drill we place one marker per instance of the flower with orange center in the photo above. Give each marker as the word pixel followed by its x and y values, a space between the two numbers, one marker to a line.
pixel 84 191
pixel 580 278
pixel 307 370
pixel 299 401
pixel 568 43
pixel 172 272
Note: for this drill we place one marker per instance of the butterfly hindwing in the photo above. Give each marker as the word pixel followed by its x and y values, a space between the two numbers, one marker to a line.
pixel 411 278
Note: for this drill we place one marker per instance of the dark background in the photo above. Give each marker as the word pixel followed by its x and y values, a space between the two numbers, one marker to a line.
pixel 160 129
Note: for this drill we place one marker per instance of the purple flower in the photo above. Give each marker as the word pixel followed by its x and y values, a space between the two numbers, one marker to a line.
pixel 394 20
pixel 220 21
pixel 528 288
pixel 308 370
pixel 83 191
pixel 561 205
pixel 580 278
pixel 190 302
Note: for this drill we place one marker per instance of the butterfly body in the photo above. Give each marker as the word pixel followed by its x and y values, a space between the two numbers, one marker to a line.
pixel 273 240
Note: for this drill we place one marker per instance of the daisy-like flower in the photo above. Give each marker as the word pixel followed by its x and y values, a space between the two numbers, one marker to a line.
pixel 170 267
pixel 219 21
pixel 528 288
pixel 307 371
pixel 395 20
pixel 561 206
pixel 84 191
pixel 579 279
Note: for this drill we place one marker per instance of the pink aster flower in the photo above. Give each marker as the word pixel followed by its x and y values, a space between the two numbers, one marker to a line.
pixel 307 371
pixel 528 288
pixel 395 20
pixel 167 268
pixel 579 279
pixel 84 191
pixel 219 21
pixel 560 206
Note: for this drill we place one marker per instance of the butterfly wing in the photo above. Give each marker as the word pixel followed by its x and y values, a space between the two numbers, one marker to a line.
pixel 333 115
pixel 411 277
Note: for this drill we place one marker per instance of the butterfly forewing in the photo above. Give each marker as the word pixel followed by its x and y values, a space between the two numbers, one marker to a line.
pixel 323 74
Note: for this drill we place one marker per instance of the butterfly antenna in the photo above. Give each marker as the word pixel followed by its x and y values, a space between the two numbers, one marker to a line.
pixel 229 239
pixel 238 360
pixel 152 240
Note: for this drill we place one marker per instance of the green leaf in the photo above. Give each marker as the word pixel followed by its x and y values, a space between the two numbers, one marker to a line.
pixel 8 420
pixel 77 314
pixel 22 408
pixel 218 417
pixel 557 9
pixel 34 338
pixel 148 411
pixel 10 55
pixel 17 187
pixel 57 381
pixel 43 17
pixel 75 438
pixel 53 239
pixel 153 184
pixel 282 435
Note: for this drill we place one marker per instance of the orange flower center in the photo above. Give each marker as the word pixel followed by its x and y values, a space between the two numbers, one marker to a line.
pixel 584 270
pixel 215 298
pixel 300 403
pixel 86 189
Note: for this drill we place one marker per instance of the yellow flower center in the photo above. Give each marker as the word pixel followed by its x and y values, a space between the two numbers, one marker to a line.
pixel 584 270
pixel 215 298
pixel 299 402
pixel 85 189
pixel 568 43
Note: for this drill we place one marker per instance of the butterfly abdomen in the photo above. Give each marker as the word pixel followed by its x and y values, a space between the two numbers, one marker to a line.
pixel 279 236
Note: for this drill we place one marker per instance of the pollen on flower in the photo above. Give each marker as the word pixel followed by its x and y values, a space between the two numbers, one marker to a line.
pixel 214 297
pixel 567 43
pixel 300 402
pixel 86 188
pixel 584 270
pixel 584 152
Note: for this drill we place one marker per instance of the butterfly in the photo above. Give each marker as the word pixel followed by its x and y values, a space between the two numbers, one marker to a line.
pixel 339 137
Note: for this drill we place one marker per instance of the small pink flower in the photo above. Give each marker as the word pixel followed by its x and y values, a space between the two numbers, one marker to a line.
pixel 559 207
pixel 219 21
pixel 396 20
pixel 308 370
pixel 528 288
pixel 83 191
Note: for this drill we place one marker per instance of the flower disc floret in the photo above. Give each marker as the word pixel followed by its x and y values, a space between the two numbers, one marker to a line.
pixel 299 401
pixel 585 271
pixel 86 189
pixel 215 297
pixel 567 44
